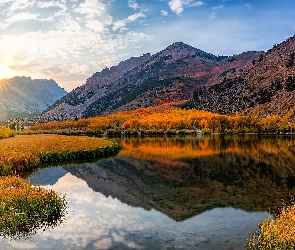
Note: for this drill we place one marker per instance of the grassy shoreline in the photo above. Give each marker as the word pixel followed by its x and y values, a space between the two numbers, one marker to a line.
pixel 275 232
pixel 22 154
pixel 24 208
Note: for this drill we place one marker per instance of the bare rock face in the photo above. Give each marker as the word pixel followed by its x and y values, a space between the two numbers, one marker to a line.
pixel 168 76
pixel 264 86
pixel 26 97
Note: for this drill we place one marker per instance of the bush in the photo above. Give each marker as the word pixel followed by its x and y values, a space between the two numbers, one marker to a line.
pixel 276 232
pixel 6 132
pixel 24 209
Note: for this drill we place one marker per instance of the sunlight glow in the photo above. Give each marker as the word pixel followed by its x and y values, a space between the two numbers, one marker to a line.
pixel 5 72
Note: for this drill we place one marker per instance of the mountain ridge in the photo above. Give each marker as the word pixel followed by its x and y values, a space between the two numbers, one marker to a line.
pixel 263 87
pixel 168 76
pixel 25 97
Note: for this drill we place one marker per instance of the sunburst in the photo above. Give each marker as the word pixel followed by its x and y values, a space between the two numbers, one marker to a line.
pixel 4 74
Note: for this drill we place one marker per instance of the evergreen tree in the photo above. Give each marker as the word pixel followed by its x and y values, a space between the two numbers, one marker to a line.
pixel 277 85
pixel 290 83
pixel 291 60
pixel 264 96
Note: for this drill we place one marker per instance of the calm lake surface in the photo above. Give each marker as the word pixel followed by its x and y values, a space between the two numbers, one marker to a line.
pixel 207 192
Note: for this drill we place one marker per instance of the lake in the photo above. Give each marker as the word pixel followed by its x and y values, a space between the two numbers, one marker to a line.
pixel 191 192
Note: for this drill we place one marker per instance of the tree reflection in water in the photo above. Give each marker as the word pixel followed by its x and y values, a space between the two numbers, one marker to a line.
pixel 185 176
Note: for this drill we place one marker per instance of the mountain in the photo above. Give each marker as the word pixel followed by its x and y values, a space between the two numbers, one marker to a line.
pixel 169 76
pixel 26 97
pixel 262 87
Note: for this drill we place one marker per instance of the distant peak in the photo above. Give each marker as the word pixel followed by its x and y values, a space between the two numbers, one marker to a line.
pixel 179 45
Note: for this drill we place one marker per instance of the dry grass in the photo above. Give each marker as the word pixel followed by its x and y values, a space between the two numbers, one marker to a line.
pixel 25 208
pixel 23 153
pixel 276 233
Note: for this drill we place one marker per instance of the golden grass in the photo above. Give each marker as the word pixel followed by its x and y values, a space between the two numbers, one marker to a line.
pixel 22 153
pixel 6 132
pixel 25 208
pixel 276 233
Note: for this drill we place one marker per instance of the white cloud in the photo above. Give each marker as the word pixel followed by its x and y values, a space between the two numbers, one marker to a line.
pixel 177 6
pixel 122 23
pixel 3 2
pixel 164 13
pixel 23 16
pixel 91 8
pixel 218 7
pixel 20 4
pixel 48 4
pixel 95 25
pixel 133 4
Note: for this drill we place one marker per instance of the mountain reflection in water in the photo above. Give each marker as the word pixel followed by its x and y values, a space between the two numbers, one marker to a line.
pixel 214 189
pixel 183 177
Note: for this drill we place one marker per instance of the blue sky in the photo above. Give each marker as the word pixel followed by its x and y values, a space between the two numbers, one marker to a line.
pixel 68 40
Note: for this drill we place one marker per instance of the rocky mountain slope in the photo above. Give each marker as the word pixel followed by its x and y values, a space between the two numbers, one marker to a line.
pixel 262 87
pixel 26 97
pixel 166 77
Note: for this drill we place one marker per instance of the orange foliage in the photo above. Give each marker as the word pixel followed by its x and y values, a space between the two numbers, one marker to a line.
pixel 166 119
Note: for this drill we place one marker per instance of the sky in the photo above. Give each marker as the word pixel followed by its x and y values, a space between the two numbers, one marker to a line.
pixel 69 40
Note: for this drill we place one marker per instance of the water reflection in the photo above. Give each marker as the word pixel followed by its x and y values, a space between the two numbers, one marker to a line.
pixel 171 192
pixel 183 177
pixel 192 175
pixel 100 222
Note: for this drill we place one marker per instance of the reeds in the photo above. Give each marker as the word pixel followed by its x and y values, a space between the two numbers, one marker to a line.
pixel 276 233
pixel 24 208
pixel 22 154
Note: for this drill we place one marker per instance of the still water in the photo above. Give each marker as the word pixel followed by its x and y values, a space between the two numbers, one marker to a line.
pixel 169 193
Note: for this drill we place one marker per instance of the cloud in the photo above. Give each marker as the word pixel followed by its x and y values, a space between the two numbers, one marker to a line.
pixel 133 4
pixel 18 5
pixel 212 15
pixel 66 41
pixel 23 16
pixel 164 13
pixel 218 7
pixel 177 6
pixel 49 4
pixel 91 8
pixel 95 25
pixel 122 23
